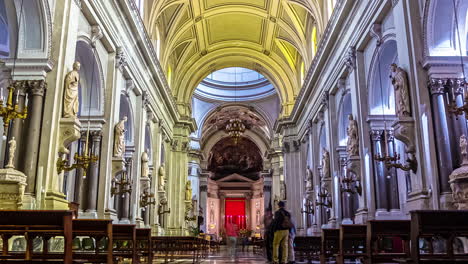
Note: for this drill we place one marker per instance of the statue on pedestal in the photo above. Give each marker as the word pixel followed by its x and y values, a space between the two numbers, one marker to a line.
pixel 352 146
pixel 162 211
pixel 188 191
pixel 11 153
pixel 325 163
pixel 119 138
pixel 400 85
pixel 144 164
pixel 70 96
pixel 162 177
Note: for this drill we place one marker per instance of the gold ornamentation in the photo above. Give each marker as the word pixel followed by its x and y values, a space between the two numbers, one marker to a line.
pixel 11 111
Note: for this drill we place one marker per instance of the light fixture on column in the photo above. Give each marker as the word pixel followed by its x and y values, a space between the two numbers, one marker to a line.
pixel 122 186
pixel 323 198
pixel 10 110
pixel 347 183
pixel 453 108
pixel 146 199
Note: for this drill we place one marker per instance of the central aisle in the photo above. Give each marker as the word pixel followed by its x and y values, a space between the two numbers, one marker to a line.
pixel 222 258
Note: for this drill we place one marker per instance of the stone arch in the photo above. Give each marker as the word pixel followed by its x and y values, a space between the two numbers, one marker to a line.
pixel 91 92
pixel 440 28
pixel 381 94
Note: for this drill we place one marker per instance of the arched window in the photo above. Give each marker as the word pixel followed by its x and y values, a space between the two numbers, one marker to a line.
pixel 381 94
pixel 345 111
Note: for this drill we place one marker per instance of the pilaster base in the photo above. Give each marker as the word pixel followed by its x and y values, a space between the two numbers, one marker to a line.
pixel 417 201
pixel 111 214
pixel 29 202
pixel 446 202
pixel 392 215
pixel 55 201
pixel 361 216
pixel 88 215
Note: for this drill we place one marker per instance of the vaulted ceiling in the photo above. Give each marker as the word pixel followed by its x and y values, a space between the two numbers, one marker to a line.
pixel 274 37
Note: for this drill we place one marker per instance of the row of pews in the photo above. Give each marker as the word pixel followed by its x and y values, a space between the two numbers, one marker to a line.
pixel 87 240
pixel 429 237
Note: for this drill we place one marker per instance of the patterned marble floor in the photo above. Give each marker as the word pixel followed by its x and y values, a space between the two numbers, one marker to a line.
pixel 221 258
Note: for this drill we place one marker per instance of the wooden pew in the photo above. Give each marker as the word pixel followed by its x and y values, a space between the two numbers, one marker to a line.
pixel 352 243
pixel 437 228
pixel 307 248
pixel 396 233
pixel 330 244
pixel 98 235
pixel 171 248
pixel 143 245
pixel 32 224
pixel 124 242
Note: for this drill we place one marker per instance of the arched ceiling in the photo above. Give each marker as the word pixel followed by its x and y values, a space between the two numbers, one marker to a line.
pixel 273 37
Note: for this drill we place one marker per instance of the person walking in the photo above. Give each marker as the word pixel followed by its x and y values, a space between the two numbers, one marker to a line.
pixel 232 232
pixel 281 225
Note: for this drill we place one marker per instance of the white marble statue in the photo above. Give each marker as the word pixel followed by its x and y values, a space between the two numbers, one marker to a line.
pixel 11 153
pixel 352 146
pixel 144 164
pixel 325 163
pixel 188 191
pixel 309 186
pixel 463 145
pixel 400 85
pixel 70 93
pixel 162 177
pixel 119 138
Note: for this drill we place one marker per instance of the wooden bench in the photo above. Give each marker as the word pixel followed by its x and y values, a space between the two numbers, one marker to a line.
pixel 352 243
pixel 92 240
pixel 307 248
pixel 171 248
pixel 124 242
pixel 143 245
pixel 330 243
pixel 434 229
pixel 388 240
pixel 32 224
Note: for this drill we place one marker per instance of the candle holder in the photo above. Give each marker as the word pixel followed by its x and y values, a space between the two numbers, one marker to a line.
pixel 11 111
pixel 393 162
pixel 122 186
pixel 81 162
pixel 322 198
pixel 309 208
pixel 347 184
pixel 453 108
pixel 147 199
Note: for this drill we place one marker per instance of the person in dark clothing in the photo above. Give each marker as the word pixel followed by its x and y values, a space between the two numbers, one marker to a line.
pixel 267 223
pixel 281 225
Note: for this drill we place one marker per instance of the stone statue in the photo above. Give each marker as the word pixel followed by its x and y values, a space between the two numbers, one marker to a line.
pixel 162 177
pixel 400 85
pixel 325 163
pixel 119 138
pixel 463 145
pixel 11 153
pixel 162 211
pixel 353 139
pixel 70 96
pixel 144 164
pixel 188 191
pixel 309 180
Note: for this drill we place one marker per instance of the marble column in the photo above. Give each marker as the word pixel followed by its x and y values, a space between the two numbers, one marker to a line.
pixel 381 200
pixel 93 175
pixel 16 129
pixel 79 175
pixel 204 200
pixel 33 127
pixel 125 200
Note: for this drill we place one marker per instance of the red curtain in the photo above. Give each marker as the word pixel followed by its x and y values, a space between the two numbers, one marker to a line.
pixel 235 212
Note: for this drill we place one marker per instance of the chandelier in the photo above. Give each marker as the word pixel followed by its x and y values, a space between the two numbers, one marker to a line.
pixel 235 128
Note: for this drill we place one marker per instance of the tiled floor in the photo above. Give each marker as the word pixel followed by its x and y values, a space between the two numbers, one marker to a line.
pixel 221 257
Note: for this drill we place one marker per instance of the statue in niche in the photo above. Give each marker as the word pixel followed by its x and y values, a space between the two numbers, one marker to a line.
pixel 212 215
pixel 309 180
pixel 353 138
pixel 70 96
pixel 162 177
pixel 11 153
pixel 144 164
pixel 188 191
pixel 119 138
pixel 400 85
pixel 162 211
pixel 463 146
pixel 283 195
pixel 325 163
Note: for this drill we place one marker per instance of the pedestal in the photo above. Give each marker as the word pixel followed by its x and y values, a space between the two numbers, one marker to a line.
pixel 69 132
pixel 403 130
pixel 118 165
pixel 361 216
pixel 55 201
pixel 12 185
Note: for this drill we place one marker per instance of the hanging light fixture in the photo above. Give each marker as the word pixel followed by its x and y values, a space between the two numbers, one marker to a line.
pixel 235 128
